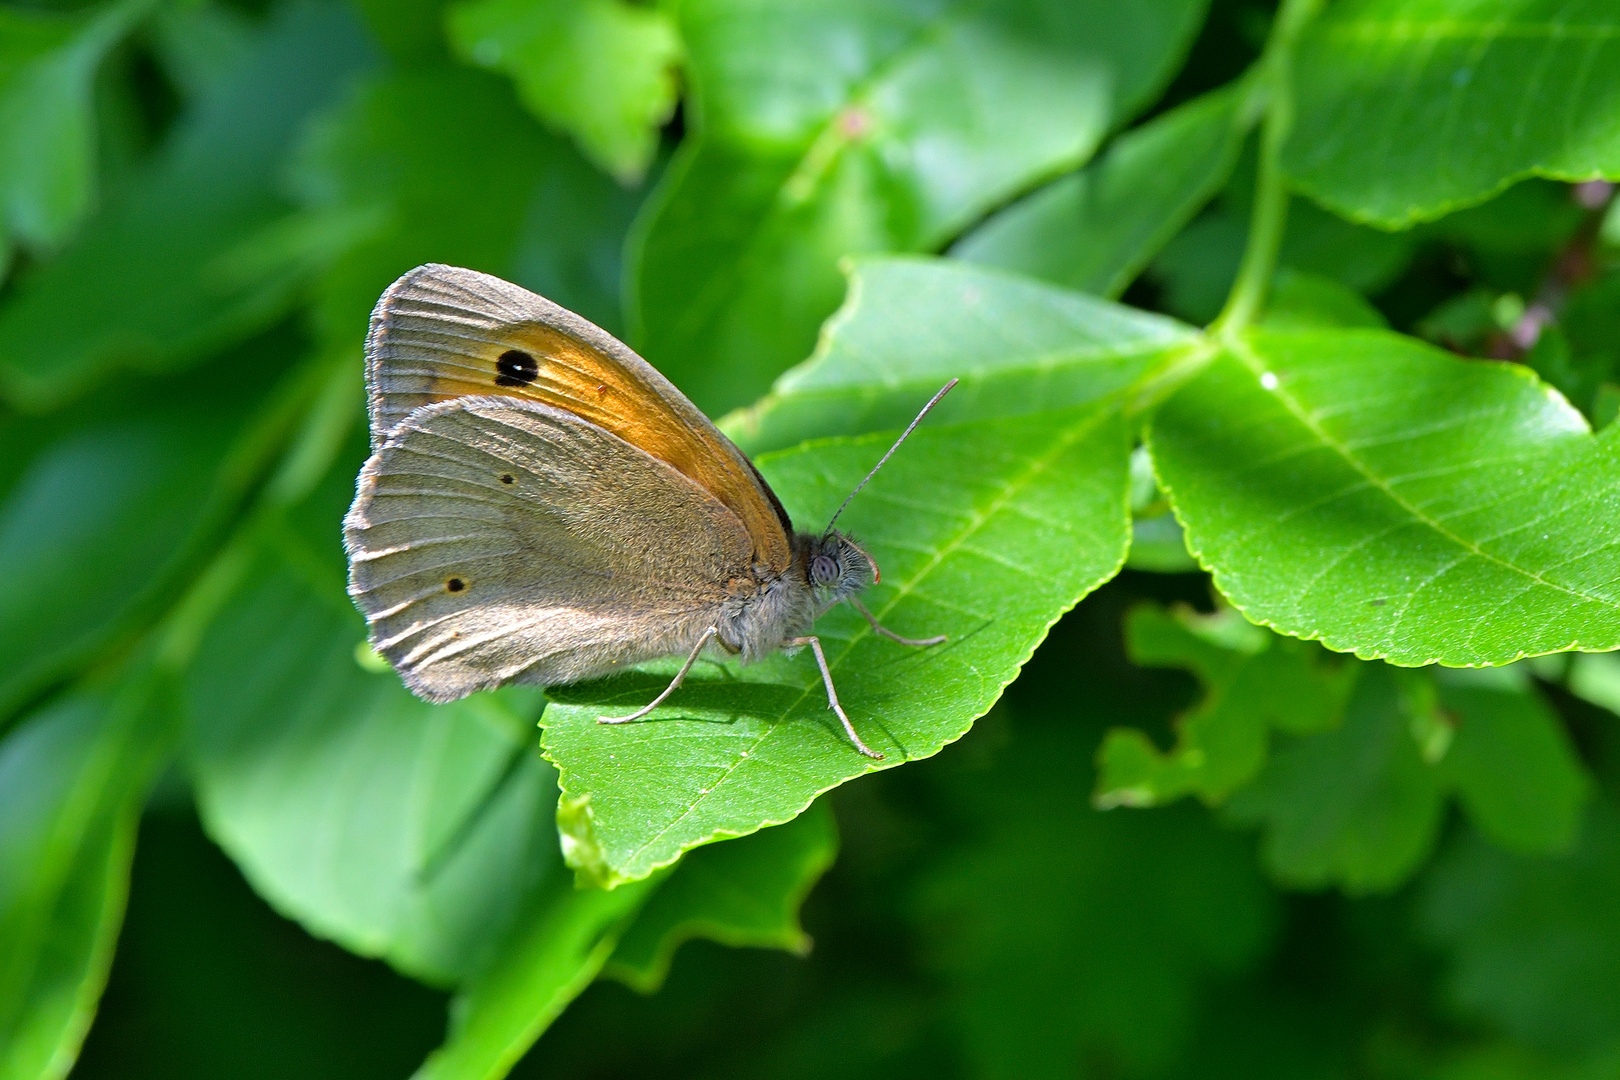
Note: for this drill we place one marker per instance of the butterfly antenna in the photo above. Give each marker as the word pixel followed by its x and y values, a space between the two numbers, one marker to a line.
pixel 903 436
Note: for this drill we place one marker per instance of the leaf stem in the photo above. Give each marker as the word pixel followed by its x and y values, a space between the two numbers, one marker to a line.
pixel 1270 213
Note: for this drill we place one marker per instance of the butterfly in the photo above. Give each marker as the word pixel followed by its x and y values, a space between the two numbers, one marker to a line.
pixel 542 506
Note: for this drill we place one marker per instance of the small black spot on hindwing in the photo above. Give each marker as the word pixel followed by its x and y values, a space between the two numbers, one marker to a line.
pixel 507 478
pixel 515 368
pixel 455 584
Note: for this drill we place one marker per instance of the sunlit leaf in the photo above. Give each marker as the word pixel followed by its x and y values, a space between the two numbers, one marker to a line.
pixel 1095 229
pixel 910 324
pixel 986 532
pixel 826 130
pixel 1387 89
pixel 599 70
pixel 1389 499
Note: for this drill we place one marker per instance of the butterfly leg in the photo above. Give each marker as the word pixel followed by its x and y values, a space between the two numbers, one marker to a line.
pixel 890 634
pixel 674 683
pixel 832 695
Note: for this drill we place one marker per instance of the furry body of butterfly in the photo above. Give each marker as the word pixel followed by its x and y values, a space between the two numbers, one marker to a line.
pixel 542 506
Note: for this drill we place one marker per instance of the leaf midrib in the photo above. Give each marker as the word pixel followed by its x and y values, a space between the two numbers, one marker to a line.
pixel 1073 433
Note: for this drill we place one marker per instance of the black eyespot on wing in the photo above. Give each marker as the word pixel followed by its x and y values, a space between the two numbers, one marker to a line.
pixel 507 478
pixel 455 584
pixel 515 368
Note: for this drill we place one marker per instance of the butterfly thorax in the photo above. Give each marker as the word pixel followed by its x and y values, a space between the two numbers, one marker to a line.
pixel 826 569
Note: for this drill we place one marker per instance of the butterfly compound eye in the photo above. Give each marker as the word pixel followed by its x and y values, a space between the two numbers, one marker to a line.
pixel 823 570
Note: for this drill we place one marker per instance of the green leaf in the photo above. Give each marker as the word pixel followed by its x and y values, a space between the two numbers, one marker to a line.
pixel 1096 229
pixel 1195 270
pixel 987 532
pixel 194 254
pixel 570 248
pixel 910 324
pixel 1066 936
pixel 411 32
pixel 1254 681
pixel 48 65
pixel 1304 301
pixel 1596 679
pixel 200 45
pixel 1533 944
pixel 452 170
pixel 602 71
pixel 94 533
pixel 1461 322
pixel 1512 763
pixel 73 779
pixel 1509 240
pixel 1386 498
pixel 1386 89
pixel 827 130
pixel 1158 546
pixel 413 832
pixel 550 957
pixel 1356 806
pixel 742 893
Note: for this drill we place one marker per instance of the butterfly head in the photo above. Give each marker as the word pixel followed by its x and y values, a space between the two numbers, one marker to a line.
pixel 837 568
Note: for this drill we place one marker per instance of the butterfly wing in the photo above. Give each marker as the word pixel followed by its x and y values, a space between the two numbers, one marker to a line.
pixel 442 332
pixel 494 540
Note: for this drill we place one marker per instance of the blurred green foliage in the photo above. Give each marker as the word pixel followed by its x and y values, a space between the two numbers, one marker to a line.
pixel 1200 825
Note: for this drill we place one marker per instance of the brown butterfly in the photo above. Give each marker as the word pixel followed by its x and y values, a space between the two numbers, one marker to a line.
pixel 542 506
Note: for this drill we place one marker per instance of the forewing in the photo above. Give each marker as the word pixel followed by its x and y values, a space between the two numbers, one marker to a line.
pixel 442 332
pixel 494 540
